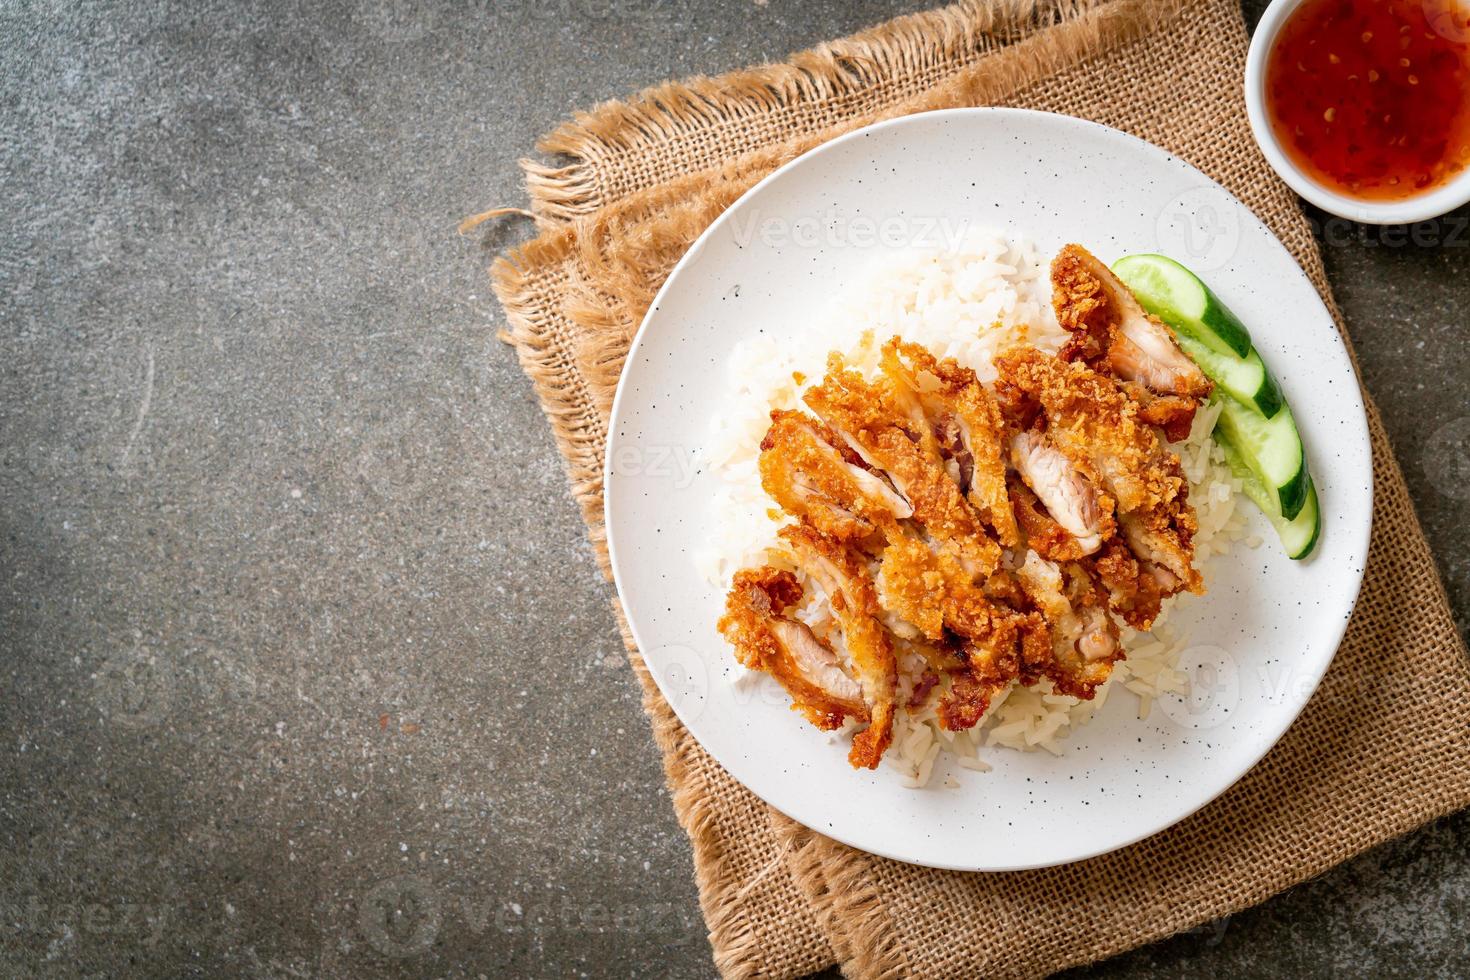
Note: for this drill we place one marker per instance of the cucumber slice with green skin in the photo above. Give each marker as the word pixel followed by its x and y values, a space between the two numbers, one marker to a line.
pixel 1175 295
pixel 1256 427
pixel 1247 380
pixel 1208 332
pixel 1299 535
pixel 1271 448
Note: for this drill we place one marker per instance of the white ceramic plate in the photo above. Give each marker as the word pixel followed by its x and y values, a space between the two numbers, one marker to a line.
pixel 1260 641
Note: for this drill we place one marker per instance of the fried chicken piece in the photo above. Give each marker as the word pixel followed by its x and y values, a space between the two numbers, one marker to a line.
pixel 1110 327
pixel 1112 333
pixel 1039 531
pixel 1134 590
pixel 805 471
pixel 1172 413
pixel 1018 649
pixel 911 583
pixel 765 639
pixel 999 645
pixel 865 418
pixel 920 476
pixel 930 595
pixel 1084 637
pixel 1081 665
pixel 1070 498
pixel 966 426
pixel 923 586
pixel 1162 538
pixel 1082 306
pixel 942 656
pixel 844 577
pixel 1097 426
pixel 996 642
pixel 943 578
pixel 963 703
pixel 901 390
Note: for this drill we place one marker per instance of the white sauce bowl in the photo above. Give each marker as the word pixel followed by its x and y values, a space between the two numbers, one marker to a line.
pixel 1430 204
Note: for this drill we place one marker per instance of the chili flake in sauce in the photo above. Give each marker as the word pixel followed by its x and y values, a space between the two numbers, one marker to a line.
pixel 1372 97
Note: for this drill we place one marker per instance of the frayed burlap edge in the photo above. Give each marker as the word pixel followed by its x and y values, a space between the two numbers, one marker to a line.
pixel 541 351
pixel 913 49
pixel 845 900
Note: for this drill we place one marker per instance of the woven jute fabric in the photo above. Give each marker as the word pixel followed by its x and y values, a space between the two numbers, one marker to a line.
pixel 1383 745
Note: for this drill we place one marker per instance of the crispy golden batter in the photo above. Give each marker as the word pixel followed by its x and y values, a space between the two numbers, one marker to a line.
pixel 911 580
pixel 1172 413
pixel 1134 593
pixel 925 589
pixel 845 578
pixel 805 470
pixel 1113 334
pixel 1082 306
pixel 1084 659
pixel 864 416
pixel 764 639
pixel 1091 420
pixel 1084 637
pixel 963 702
pixel 964 425
pixel 1017 648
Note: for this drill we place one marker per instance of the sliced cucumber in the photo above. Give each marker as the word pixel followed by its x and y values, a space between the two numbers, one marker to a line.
pixel 1256 427
pixel 1298 535
pixel 1271 448
pixel 1175 295
pixel 1208 332
pixel 1247 379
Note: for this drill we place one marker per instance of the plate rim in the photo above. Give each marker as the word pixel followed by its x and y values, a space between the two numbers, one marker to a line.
pixel 1362 542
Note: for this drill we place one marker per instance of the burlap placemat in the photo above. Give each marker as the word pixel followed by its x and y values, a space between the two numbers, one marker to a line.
pixel 1383 746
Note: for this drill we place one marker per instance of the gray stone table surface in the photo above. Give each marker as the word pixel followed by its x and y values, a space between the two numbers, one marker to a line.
pixel 307 669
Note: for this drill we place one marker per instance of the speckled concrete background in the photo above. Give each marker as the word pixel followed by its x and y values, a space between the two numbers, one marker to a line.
pixel 299 624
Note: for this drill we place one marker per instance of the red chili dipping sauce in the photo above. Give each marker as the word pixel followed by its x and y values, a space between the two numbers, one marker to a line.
pixel 1372 97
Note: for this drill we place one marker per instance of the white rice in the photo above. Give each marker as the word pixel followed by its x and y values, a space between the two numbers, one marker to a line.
pixel 991 293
